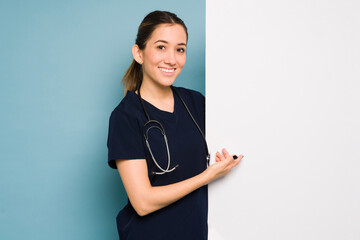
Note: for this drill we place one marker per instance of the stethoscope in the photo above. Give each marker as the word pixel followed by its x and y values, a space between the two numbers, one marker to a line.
pixel 156 124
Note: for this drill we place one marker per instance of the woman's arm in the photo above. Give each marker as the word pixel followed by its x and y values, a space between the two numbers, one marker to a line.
pixel 146 199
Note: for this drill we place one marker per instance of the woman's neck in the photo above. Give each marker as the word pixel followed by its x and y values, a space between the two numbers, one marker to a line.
pixel 159 96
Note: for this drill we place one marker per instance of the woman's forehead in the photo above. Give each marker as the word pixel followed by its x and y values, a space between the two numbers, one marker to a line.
pixel 174 33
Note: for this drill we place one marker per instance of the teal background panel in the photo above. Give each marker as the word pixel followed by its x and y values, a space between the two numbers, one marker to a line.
pixel 61 63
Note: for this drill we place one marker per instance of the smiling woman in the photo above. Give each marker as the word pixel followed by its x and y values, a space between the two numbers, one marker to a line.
pixel 162 59
pixel 165 173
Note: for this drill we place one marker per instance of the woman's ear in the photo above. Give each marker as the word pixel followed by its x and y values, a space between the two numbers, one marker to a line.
pixel 137 54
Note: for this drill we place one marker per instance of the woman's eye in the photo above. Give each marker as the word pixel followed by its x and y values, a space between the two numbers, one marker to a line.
pixel 161 47
pixel 181 50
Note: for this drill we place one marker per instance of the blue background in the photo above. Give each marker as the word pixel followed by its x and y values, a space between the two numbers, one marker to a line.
pixel 61 63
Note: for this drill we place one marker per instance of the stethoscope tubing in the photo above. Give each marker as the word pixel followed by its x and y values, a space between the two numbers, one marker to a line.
pixel 159 126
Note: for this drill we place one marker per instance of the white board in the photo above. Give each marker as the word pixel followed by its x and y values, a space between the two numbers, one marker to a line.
pixel 283 88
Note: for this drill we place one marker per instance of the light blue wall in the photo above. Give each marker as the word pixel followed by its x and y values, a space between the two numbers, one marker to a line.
pixel 61 63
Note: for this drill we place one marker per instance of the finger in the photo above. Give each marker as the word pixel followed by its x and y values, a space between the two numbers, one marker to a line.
pixel 221 157
pixel 217 159
pixel 226 154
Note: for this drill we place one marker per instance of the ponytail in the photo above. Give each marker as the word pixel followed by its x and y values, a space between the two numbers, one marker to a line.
pixel 133 77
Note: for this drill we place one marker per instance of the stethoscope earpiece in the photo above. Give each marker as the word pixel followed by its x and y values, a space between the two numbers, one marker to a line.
pixel 153 173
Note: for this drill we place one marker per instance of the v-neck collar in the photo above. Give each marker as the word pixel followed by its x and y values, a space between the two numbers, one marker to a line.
pixel 153 109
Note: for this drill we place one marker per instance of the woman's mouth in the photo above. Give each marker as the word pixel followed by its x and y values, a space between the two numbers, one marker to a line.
pixel 167 71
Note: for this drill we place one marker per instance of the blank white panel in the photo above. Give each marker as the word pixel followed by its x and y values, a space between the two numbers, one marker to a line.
pixel 283 88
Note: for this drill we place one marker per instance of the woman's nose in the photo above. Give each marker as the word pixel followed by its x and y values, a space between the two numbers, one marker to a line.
pixel 170 58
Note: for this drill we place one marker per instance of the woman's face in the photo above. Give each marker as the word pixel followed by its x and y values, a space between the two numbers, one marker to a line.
pixel 164 55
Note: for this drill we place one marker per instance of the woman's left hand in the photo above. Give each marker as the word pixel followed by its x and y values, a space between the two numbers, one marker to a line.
pixel 219 157
pixel 224 163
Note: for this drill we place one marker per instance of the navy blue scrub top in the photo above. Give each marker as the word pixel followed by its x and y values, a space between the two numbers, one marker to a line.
pixel 187 217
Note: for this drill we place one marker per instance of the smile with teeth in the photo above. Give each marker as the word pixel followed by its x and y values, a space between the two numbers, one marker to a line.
pixel 167 70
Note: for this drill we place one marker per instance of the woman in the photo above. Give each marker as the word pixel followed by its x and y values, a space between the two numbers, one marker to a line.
pixel 163 164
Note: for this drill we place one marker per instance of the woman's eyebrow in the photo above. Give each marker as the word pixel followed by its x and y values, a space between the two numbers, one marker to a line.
pixel 163 41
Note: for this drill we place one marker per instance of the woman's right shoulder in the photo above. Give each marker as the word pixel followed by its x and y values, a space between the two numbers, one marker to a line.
pixel 128 107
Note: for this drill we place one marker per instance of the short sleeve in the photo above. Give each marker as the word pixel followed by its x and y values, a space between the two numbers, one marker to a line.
pixel 125 139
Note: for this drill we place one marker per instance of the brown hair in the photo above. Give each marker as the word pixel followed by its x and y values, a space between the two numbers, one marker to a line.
pixel 133 76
